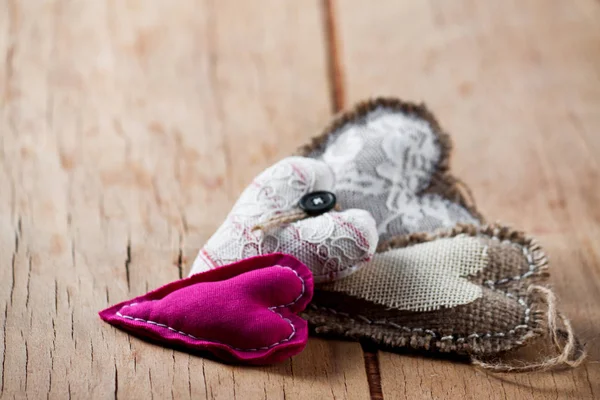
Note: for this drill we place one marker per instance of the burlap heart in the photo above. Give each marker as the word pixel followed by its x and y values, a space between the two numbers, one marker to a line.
pixel 441 280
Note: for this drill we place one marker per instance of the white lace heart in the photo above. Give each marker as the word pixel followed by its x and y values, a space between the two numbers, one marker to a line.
pixel 332 245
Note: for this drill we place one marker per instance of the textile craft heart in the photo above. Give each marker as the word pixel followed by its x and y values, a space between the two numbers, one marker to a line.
pixel 441 279
pixel 333 245
pixel 474 298
pixel 243 312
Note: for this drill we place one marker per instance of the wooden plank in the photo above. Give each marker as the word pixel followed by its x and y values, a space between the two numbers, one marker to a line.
pixel 127 131
pixel 517 85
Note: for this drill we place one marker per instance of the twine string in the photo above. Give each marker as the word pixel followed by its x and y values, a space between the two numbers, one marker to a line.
pixel 288 217
pixel 570 352
pixel 281 219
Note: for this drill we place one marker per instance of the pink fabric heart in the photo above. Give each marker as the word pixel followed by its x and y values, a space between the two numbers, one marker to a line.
pixel 245 311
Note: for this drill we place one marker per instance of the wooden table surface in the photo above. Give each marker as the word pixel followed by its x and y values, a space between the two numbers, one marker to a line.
pixel 128 129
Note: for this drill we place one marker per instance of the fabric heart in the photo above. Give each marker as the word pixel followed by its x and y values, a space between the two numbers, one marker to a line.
pixel 392 159
pixel 244 312
pixel 333 245
pixel 441 279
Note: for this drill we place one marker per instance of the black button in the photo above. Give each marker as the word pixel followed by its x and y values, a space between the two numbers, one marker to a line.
pixel 317 203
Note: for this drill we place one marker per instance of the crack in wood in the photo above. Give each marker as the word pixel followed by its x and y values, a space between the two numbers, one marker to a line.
pixel 28 280
pixel 127 264
pixel 373 373
pixel 51 353
pixel 116 381
pixel 14 260
pixel 180 261
pixel 333 58
pixel 26 363
pixel 151 388
pixel 204 379
pixel 4 349
pixel 338 96
pixel 55 296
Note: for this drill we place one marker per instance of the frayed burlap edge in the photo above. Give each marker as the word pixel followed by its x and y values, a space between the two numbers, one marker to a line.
pixel 442 181
pixel 543 318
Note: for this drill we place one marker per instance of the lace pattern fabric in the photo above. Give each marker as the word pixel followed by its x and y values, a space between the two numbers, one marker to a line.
pixel 382 163
pixel 333 245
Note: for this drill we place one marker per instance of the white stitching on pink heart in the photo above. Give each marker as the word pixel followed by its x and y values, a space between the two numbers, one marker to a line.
pixel 235 348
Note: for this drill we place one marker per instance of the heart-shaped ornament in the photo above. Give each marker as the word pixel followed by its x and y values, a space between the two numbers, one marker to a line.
pixel 242 312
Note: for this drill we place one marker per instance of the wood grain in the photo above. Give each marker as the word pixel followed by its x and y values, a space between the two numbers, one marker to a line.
pixel 127 131
pixel 517 86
